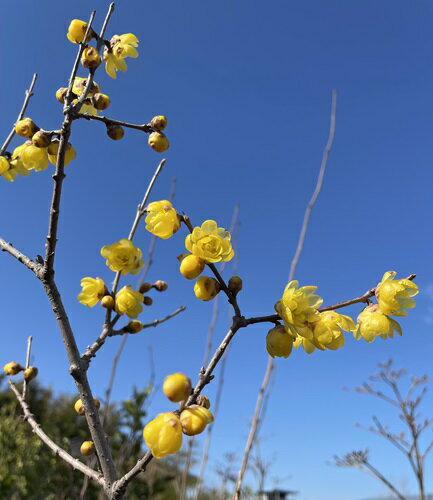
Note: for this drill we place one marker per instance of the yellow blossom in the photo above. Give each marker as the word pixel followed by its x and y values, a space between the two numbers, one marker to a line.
pixel 87 448
pixel 77 30
pixel 12 368
pixel 16 165
pixel 210 243
pixel 158 142
pixel 194 419
pixel 121 46
pixel 87 107
pixel 129 302
pixel 162 219
pixel 308 346
pixel 123 256
pixel 191 266
pixel 80 84
pixel 278 342
pixel 394 296
pixel 177 387
pixel 34 158
pixel 328 330
pixel 26 128
pixel 373 323
pixel 93 289
pixel 90 58
pixel 30 373
pixel 298 307
pixel 163 435
pixel 53 149
pixel 4 165
pixel 206 288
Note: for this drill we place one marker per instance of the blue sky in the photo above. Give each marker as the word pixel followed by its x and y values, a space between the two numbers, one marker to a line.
pixel 246 88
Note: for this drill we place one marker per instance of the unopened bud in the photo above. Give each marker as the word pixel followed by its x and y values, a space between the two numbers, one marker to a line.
pixel 41 139
pixel 177 387
pixel 235 284
pixel 115 132
pixel 158 123
pixel 203 401
pixel 158 142
pixel 144 287
pixel 107 301
pixel 101 101
pixel 134 326
pixel 160 285
pixel 90 58
pixel 61 94
pixel 26 127
pixel 147 301
pixel 79 408
pixel 30 373
pixel 87 448
pixel 12 368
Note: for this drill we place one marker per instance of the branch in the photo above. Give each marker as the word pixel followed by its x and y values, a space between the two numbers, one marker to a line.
pixel 74 462
pixel 29 348
pixel 144 127
pixel 119 486
pixel 382 478
pixel 29 263
pixel 28 95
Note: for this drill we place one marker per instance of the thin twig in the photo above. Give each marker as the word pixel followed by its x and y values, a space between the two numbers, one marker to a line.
pixel 29 348
pixel 28 95
pixel 382 478
pixel 293 265
pixel 75 463
pixel 144 127
pixel 29 263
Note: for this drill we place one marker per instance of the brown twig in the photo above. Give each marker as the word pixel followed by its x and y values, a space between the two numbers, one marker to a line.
pixel 28 95
pixel 75 463
pixel 29 348
pixel 144 127
pixel 29 263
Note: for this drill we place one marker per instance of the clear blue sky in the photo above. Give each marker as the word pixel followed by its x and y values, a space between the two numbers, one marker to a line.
pixel 246 89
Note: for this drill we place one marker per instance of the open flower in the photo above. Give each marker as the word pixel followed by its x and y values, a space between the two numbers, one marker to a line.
pixel 32 157
pixel 328 330
pixel 128 302
pixel 308 346
pixel 298 307
pixel 123 256
pixel 162 219
pixel 121 46
pixel 394 296
pixel 373 323
pixel 210 243
pixel 93 289
pixel 163 434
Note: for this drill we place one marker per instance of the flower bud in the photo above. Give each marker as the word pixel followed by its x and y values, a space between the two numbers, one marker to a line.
pixel 90 58
pixel 160 286
pixel 147 301
pixel 12 368
pixel 87 448
pixel 107 301
pixel 30 373
pixel 235 284
pixel 134 326
pixel 61 94
pixel 41 139
pixel 177 387
pixel 4 165
pixel 203 401
pixel 101 101
pixel 115 132
pixel 163 434
pixel 191 267
pixel 79 408
pixel 206 288
pixel 158 142
pixel 194 419
pixel 158 123
pixel 145 287
pixel 77 30
pixel 26 127
pixel 278 342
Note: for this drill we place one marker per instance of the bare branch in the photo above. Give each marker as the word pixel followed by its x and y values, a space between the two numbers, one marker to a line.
pixel 75 463
pixel 29 348
pixel 29 263
pixel 144 127
pixel 28 95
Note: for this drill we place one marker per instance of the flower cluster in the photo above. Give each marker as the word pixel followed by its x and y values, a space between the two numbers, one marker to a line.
pixel 34 154
pixel 163 434
pixel 305 325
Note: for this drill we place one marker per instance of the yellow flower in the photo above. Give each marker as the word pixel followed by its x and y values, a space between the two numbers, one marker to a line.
pixel 26 128
pixel 12 368
pixel 194 419
pixel 30 373
pixel 129 302
pixel 53 149
pixel 177 387
pixel 191 266
pixel 77 30
pixel 87 107
pixel 394 296
pixel 120 47
pixel 90 58
pixel 328 330
pixel 34 158
pixel 163 435
pixel 93 289
pixel 123 256
pixel 298 307
pixel 162 219
pixel 206 288
pixel 278 342
pixel 308 346
pixel 15 164
pixel 373 323
pixel 158 142
pixel 210 243
pixel 79 408
pixel 80 84
pixel 4 165
pixel 87 448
